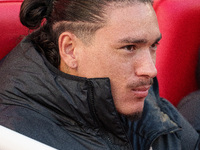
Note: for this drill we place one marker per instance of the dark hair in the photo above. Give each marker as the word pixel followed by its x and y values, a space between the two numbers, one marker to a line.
pixel 52 17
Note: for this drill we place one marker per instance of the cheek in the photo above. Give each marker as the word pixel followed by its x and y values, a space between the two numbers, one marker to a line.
pixel 118 68
pixel 86 61
pixel 93 64
pixel 120 74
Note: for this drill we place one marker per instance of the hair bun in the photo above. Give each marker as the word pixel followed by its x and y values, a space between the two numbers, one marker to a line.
pixel 33 12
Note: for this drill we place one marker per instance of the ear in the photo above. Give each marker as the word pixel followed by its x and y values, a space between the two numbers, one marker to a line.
pixel 67 43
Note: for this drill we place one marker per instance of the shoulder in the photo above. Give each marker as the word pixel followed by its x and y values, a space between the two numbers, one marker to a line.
pixel 22 119
pixel 30 123
pixel 192 101
pixel 36 126
pixel 187 134
pixel 189 108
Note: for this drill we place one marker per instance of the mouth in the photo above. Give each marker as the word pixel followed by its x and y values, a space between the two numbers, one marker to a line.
pixel 141 91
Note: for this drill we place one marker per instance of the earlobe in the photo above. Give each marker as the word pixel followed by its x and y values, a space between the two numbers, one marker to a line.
pixel 67 49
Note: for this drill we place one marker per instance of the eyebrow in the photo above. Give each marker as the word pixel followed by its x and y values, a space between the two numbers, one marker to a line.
pixel 138 41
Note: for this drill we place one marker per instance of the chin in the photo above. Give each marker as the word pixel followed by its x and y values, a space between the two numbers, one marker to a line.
pixel 134 116
pixel 132 111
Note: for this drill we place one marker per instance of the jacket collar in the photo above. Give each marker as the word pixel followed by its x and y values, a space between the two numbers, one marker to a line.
pixel 91 104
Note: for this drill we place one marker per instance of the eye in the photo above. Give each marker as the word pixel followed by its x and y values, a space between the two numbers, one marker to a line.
pixel 154 46
pixel 129 47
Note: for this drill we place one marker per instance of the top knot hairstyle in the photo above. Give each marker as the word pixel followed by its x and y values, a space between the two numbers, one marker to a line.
pixel 52 17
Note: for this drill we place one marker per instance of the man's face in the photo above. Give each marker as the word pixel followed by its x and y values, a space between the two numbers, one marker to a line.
pixel 125 51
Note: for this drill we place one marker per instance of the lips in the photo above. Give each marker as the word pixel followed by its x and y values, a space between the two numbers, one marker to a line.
pixel 142 91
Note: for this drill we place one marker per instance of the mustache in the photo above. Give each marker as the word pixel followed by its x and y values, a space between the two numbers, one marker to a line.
pixel 141 82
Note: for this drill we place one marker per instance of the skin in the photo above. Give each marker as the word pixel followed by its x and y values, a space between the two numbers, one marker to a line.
pixel 124 50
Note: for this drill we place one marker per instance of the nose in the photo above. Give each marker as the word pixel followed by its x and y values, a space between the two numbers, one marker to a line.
pixel 145 66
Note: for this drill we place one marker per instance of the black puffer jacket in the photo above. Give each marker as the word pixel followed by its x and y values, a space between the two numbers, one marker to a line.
pixel 68 112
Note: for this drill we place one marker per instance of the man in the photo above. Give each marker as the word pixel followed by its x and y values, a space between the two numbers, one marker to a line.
pixel 83 79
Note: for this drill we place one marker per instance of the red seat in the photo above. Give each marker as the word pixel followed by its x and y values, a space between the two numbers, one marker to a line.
pixel 10 28
pixel 177 54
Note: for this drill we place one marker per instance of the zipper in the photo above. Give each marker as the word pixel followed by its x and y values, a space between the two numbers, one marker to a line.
pixel 94 115
pixel 91 103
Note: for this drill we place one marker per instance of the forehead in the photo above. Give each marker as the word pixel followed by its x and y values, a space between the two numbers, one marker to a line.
pixel 135 10
pixel 135 20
